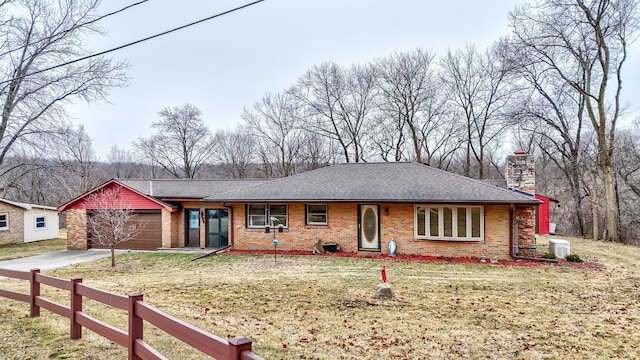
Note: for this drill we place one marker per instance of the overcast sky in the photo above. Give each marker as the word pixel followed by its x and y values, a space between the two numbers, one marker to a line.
pixel 228 63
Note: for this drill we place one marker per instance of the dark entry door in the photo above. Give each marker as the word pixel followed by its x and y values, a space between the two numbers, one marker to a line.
pixel 192 227
pixel 217 227
pixel 368 227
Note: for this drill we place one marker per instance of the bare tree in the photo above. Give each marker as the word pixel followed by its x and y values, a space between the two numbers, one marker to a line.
pixel 628 171
pixel 275 126
pixel 479 87
pixel 338 104
pixel 76 156
pixel 235 152
pixel 109 220
pixel 145 150
pixel 38 35
pixel 121 163
pixel 584 43
pixel 183 143
pixel 412 99
pixel 553 115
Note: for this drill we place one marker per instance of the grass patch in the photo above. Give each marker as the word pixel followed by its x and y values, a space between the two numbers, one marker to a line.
pixel 322 307
pixel 14 251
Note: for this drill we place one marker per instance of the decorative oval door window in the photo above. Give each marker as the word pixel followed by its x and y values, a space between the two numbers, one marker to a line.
pixel 370 227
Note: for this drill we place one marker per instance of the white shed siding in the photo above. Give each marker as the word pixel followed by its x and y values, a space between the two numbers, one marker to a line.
pixel 50 230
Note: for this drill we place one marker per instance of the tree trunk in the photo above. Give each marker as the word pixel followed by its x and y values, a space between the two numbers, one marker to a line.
pixel 611 222
pixel 113 256
pixel 594 206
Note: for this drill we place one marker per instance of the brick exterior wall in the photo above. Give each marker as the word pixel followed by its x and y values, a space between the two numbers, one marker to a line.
pixel 167 229
pixel 15 233
pixel 342 228
pixel 77 229
pixel 526 220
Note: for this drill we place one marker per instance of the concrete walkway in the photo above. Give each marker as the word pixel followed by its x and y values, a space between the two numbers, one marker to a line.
pixel 53 259
pixel 56 259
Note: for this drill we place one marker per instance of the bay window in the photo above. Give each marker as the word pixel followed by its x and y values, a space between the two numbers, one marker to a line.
pixel 449 222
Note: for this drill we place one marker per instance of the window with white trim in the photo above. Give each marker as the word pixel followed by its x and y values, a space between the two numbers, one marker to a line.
pixel 317 214
pixel 4 221
pixel 41 223
pixel 449 222
pixel 261 215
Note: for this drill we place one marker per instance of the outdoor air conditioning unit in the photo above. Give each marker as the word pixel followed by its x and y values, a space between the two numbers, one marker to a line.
pixel 559 247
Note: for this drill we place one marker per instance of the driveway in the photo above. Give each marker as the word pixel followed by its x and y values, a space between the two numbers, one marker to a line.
pixel 53 259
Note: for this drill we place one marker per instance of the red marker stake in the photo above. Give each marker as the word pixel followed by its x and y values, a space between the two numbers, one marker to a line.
pixel 383 270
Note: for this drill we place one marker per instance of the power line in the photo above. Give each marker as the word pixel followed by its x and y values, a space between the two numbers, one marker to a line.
pixel 75 27
pixel 134 42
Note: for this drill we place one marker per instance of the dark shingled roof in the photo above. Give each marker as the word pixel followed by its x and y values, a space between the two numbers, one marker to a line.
pixel 186 188
pixel 406 182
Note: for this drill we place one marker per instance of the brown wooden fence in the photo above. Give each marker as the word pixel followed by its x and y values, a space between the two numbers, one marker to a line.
pixel 237 348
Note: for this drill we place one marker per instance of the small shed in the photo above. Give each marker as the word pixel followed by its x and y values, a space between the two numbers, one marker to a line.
pixel 23 222
pixel 543 215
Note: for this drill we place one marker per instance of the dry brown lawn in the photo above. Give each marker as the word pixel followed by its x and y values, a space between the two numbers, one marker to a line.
pixel 13 251
pixel 322 307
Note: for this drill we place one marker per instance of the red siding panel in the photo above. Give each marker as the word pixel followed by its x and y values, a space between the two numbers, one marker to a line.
pixel 543 215
pixel 127 199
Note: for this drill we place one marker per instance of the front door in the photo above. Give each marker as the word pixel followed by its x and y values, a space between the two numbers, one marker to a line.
pixel 369 227
pixel 217 227
pixel 192 233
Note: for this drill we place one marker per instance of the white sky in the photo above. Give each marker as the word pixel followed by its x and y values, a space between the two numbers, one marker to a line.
pixel 228 63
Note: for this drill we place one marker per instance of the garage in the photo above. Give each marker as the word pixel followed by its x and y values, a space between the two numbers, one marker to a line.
pixel 149 239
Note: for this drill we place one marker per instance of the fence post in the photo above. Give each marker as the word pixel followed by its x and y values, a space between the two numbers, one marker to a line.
pixel 76 307
pixel 136 323
pixel 34 291
pixel 237 345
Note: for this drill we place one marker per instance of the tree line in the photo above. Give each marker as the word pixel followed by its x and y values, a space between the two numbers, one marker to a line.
pixel 551 87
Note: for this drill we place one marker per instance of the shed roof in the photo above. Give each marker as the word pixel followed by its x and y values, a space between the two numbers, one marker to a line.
pixel 27 206
pixel 381 182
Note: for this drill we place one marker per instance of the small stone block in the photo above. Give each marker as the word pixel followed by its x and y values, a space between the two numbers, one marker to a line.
pixel 384 292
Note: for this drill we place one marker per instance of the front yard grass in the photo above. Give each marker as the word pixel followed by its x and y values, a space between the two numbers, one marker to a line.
pixel 14 251
pixel 322 307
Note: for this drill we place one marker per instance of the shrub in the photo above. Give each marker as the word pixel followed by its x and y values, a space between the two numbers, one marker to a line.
pixel 548 255
pixel 573 258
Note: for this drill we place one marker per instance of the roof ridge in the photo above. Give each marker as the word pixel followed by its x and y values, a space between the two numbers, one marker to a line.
pixel 478 181
pixel 241 189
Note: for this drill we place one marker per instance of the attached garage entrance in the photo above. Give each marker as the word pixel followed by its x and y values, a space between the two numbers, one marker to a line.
pixel 149 239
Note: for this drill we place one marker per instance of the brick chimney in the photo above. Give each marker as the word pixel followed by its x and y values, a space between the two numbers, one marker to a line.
pixel 520 173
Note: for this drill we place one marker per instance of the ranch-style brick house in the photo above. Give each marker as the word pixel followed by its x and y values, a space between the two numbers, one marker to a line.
pixel 359 206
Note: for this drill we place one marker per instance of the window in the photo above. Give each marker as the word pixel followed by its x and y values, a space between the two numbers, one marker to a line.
pixel 41 222
pixel 317 214
pixel 438 222
pixel 257 215
pixel 4 221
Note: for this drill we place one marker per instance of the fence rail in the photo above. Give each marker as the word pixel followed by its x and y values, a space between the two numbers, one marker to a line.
pixel 237 348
